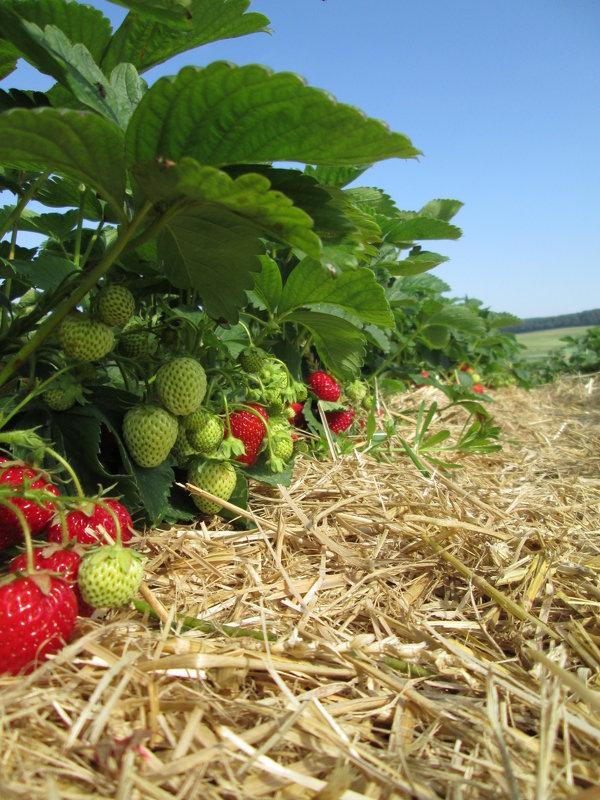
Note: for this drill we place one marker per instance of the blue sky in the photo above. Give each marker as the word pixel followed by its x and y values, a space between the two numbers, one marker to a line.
pixel 503 100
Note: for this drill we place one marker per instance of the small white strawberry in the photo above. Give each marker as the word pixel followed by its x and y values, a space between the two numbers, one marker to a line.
pixel 110 576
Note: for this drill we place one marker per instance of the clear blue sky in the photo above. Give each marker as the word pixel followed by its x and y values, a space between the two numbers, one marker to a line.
pixel 503 100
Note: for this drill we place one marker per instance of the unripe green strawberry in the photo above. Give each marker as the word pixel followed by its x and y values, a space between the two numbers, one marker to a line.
pixel 138 344
pixel 181 385
pixel 63 393
pixel 110 576
pixel 85 339
pixel 282 447
pixel 252 359
pixel 207 438
pixel 214 476
pixel 182 449
pixel 149 433
pixel 274 375
pixel 356 391
pixel 116 304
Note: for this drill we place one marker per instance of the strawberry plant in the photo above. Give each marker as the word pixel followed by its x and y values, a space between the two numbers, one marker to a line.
pixel 190 293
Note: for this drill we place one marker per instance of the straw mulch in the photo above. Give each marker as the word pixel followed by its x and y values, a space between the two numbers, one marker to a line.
pixel 401 636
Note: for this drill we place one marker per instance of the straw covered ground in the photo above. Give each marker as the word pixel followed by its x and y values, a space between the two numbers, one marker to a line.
pixel 372 633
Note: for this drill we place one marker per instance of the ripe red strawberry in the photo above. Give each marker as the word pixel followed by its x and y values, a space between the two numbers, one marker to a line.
pixel 55 559
pixel 34 622
pixel 21 477
pixel 340 420
pixel 247 427
pixel 297 420
pixel 424 374
pixel 83 524
pixel 324 386
pixel 477 387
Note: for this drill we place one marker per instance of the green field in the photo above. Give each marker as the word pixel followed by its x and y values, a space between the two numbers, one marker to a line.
pixel 540 343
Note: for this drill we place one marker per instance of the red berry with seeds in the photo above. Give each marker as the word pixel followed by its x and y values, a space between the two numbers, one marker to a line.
pixel 477 387
pixel 298 420
pixel 339 420
pixel 21 479
pixel 85 524
pixel 248 427
pixel 37 617
pixel 324 386
pixel 55 559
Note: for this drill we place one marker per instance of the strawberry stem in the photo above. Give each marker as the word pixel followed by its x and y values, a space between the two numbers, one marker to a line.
pixel 88 281
pixel 248 334
pixel 69 469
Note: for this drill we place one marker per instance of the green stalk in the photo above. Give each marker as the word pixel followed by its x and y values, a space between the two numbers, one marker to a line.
pixel 91 243
pixel 79 229
pixel 206 627
pixel 87 283
pixel 72 474
pixel 18 210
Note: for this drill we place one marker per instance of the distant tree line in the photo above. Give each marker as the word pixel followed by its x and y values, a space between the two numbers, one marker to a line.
pixel 589 318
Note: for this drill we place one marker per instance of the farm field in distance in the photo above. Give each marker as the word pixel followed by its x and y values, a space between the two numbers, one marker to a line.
pixel 540 343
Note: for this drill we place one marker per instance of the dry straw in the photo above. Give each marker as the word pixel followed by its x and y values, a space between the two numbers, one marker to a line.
pixel 369 633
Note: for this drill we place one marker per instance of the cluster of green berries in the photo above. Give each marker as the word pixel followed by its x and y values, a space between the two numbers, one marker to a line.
pixel 150 430
pixel 88 338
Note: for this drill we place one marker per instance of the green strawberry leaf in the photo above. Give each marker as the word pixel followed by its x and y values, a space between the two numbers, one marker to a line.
pixel 52 225
pixel 212 250
pixel 373 199
pixel 339 344
pixel 9 56
pixel 46 272
pixel 413 227
pixel 72 65
pixel 414 264
pixel 127 89
pixel 223 114
pixel 458 318
pixel 63 192
pixel 441 209
pixel 145 42
pixel 78 144
pixel 172 13
pixel 267 285
pixel 355 291
pixel 335 175
pixel 153 487
pixel 262 472
pixel 78 21
pixel 327 207
pixel 16 98
pixel 426 284
pixel 249 198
